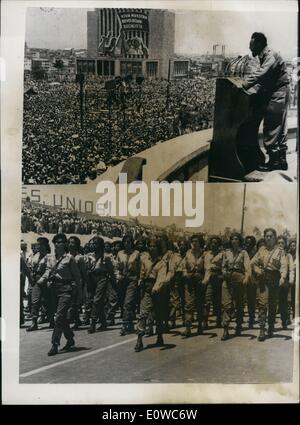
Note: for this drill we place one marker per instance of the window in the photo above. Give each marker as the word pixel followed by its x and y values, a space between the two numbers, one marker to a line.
pixel 151 69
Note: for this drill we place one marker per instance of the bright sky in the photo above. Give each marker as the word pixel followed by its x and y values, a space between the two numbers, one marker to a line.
pixel 59 28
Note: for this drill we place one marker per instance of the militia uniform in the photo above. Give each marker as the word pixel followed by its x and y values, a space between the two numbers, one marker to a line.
pixel 292 283
pixel 24 272
pixel 100 271
pixel 40 291
pixel 270 268
pixel 194 290
pixel 251 289
pixel 213 284
pixel 129 269
pixel 176 303
pixel 273 80
pixel 78 301
pixel 153 274
pixel 62 276
pixel 236 272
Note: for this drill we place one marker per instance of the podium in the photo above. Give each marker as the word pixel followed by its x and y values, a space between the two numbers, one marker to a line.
pixel 234 150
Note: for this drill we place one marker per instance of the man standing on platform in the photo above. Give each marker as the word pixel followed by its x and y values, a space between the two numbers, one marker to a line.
pixel 273 82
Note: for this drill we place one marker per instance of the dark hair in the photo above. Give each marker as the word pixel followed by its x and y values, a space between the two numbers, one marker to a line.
pixel 252 239
pixel 77 241
pixel 270 229
pixel 200 239
pixel 158 244
pixel 45 242
pixel 128 237
pixel 59 236
pixel 237 235
pixel 292 241
pixel 99 241
pixel 260 38
pixel 282 237
pixel 216 238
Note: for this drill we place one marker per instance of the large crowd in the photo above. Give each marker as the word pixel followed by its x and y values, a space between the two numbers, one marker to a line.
pixel 117 123
pixel 150 282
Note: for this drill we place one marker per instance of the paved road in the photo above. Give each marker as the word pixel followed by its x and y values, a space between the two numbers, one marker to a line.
pixel 106 357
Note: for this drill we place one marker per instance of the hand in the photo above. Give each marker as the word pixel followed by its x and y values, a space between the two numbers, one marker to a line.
pixel 245 281
pixel 282 282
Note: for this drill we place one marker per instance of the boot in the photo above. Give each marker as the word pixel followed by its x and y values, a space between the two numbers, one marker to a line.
pixel 102 327
pixel 42 320
pixel 277 161
pixel 284 325
pixel 172 324
pixel 92 328
pixel 70 343
pixel 200 329
pixel 33 327
pixel 219 323
pixel 53 350
pixel 187 332
pixel 225 334
pixel 130 328
pixel 77 324
pixel 149 332
pixel 123 331
pixel 262 335
pixel 205 324
pixel 270 332
pixel 51 323
pixel 238 330
pixel 251 323
pixel 139 344
pixel 159 341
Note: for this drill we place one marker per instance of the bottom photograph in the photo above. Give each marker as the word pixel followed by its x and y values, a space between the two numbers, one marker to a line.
pixel 148 300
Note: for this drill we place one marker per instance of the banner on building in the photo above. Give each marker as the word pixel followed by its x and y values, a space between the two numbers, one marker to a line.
pixel 134 21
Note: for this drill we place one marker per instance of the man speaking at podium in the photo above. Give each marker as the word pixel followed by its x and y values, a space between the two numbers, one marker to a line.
pixel 272 81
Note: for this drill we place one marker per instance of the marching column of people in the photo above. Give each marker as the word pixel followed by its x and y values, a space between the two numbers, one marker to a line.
pixel 160 283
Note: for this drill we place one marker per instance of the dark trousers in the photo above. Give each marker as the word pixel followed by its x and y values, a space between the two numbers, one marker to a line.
pixel 146 306
pixel 129 294
pixel 213 296
pixel 194 295
pixel 99 299
pixel 267 298
pixel 62 326
pixel 174 300
pixel 22 293
pixel 113 300
pixel 251 299
pixel 233 299
pixel 275 122
pixel 283 304
pixel 39 295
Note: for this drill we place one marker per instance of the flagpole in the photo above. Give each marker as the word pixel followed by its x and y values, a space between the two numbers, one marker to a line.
pixel 243 209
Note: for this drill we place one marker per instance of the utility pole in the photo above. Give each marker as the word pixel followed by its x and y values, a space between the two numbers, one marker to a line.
pixel 243 209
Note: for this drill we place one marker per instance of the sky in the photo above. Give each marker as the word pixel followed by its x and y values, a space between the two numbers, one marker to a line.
pixel 61 28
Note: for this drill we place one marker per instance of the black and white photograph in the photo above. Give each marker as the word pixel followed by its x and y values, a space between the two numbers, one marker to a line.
pixel 149 209
pixel 104 85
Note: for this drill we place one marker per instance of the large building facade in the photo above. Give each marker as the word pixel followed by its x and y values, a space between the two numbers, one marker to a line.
pixel 136 42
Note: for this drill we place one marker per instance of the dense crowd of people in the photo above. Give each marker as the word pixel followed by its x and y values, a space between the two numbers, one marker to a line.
pixel 117 123
pixel 152 281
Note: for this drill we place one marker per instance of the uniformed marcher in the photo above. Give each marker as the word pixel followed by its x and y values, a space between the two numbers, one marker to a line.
pixel 292 277
pixel 284 289
pixel 37 268
pixel 62 276
pixel 152 280
pixel 129 268
pixel 272 82
pixel 212 281
pixel 74 249
pixel 176 303
pixel 236 272
pixel 100 271
pixel 113 285
pixel 270 269
pixel 24 272
pixel 250 246
pixel 193 274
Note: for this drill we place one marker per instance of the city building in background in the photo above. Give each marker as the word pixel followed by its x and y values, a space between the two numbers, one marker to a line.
pixel 136 42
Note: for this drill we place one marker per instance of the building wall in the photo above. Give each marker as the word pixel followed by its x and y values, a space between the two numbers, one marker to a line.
pixel 92 33
pixel 162 39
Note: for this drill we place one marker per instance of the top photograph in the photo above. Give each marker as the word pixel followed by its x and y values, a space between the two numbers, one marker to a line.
pixel 177 95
